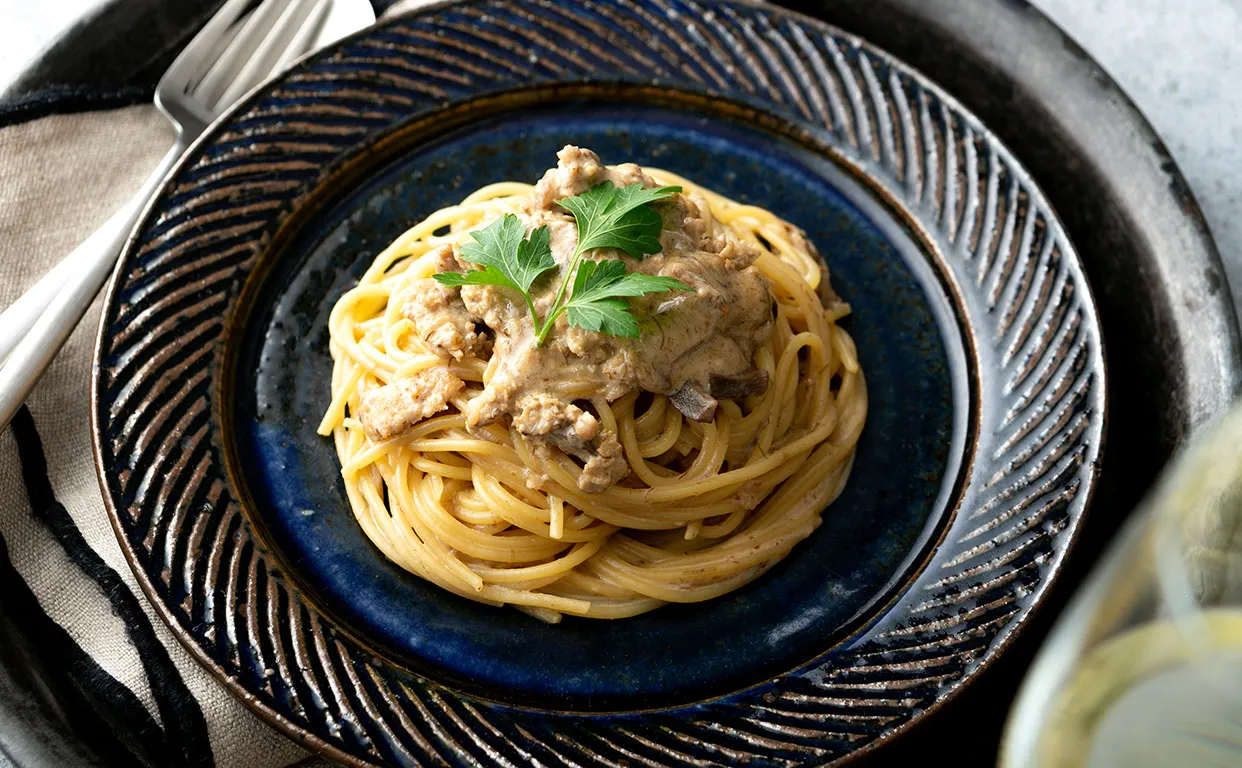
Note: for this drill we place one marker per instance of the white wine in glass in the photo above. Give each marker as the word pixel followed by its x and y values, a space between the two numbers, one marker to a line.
pixel 1144 670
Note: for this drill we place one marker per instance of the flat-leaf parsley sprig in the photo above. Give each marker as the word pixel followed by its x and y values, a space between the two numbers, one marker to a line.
pixel 509 258
pixel 607 217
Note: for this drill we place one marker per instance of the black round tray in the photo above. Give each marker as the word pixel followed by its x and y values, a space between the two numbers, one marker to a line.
pixel 1170 329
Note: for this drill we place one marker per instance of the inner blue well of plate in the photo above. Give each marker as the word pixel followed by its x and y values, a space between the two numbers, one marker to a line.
pixel 823 596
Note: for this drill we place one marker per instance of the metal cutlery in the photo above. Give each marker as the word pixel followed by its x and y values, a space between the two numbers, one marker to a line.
pixel 241 46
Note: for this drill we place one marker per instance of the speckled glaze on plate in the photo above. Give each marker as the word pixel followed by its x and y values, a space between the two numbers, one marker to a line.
pixel 975 327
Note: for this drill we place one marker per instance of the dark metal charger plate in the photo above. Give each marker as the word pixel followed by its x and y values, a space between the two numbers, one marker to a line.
pixel 962 221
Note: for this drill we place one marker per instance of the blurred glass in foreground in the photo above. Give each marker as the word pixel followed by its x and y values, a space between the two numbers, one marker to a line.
pixel 1144 670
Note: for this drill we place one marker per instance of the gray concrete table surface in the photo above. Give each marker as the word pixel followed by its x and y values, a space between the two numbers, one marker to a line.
pixel 1181 62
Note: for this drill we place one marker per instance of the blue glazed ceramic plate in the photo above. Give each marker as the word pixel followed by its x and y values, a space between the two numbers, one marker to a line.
pixel 972 316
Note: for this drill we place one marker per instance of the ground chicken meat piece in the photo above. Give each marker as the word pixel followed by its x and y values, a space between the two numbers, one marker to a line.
pixel 439 316
pixel 542 414
pixel 393 408
pixel 577 170
pixel 441 320
pixel 606 468
pixel 576 432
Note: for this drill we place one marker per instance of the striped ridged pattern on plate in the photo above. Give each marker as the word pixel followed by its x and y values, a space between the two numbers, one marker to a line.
pixel 1002 252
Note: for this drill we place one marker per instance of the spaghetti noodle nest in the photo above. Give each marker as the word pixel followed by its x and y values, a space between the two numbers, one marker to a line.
pixel 707 507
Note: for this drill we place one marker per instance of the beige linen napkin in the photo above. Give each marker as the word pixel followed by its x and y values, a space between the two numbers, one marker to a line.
pixel 60 178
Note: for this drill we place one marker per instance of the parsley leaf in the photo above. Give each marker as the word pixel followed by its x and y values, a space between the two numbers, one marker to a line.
pixel 612 217
pixel 485 276
pixel 609 278
pixel 611 316
pixel 595 304
pixel 607 217
pixel 503 244
pixel 509 258
pixel 534 256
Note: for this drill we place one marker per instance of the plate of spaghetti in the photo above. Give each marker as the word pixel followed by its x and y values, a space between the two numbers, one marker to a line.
pixel 636 383
pixel 597 465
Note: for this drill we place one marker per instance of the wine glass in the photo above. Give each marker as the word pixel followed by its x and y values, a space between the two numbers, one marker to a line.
pixel 1144 670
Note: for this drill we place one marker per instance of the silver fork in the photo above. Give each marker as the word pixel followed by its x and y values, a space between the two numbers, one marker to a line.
pixel 225 60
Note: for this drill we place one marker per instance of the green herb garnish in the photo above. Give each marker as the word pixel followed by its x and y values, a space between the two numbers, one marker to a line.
pixel 595 304
pixel 619 217
pixel 607 217
pixel 509 258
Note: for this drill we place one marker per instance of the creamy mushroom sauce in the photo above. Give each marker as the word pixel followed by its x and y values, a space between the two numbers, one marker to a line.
pixel 693 344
